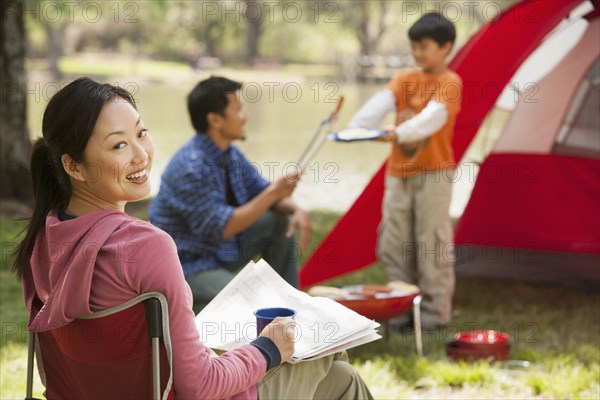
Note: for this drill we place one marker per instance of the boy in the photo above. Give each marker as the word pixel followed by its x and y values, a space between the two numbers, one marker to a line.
pixel 415 235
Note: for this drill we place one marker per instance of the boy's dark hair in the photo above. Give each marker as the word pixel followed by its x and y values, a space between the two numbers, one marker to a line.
pixel 435 26
pixel 210 95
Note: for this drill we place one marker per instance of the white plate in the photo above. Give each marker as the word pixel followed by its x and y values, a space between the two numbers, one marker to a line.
pixel 357 134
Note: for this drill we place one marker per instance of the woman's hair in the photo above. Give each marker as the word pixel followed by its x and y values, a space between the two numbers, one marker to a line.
pixel 68 122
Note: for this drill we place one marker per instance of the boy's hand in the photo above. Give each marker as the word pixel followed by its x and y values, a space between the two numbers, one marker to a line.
pixel 410 149
pixel 401 117
pixel 404 115
pixel 390 136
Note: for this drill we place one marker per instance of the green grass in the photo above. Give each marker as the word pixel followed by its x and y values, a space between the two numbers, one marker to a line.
pixel 13 370
pixel 106 66
pixel 556 329
pixel 12 309
pixel 99 65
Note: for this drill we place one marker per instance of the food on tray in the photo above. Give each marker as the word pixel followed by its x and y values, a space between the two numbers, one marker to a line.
pixel 328 291
pixel 403 286
pixel 371 290
pixel 368 290
pixel 377 288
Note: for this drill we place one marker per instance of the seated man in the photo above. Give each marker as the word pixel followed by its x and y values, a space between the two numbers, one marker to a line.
pixel 218 209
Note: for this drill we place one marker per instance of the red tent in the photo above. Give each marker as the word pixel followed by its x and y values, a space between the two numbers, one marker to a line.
pixel 540 205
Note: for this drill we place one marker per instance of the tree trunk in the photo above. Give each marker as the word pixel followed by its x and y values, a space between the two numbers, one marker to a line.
pixel 54 37
pixel 14 138
pixel 213 31
pixel 363 28
pixel 368 40
pixel 254 18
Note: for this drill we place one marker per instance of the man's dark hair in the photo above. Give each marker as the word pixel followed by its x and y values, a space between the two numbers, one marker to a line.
pixel 434 26
pixel 210 95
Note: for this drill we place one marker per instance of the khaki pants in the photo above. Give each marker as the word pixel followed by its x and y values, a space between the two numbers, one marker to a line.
pixel 415 240
pixel 330 377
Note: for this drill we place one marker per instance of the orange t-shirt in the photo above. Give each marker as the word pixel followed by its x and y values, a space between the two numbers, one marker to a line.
pixel 413 90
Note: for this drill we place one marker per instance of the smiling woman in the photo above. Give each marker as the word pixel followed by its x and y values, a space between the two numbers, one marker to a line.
pixel 61 170
pixel 82 254
pixel 115 164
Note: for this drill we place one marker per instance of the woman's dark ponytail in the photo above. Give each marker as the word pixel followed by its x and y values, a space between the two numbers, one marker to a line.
pixel 47 195
pixel 68 122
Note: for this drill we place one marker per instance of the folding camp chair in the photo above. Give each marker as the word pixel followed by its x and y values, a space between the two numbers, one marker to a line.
pixel 118 353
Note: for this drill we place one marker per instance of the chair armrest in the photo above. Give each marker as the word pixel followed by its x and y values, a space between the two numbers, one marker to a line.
pixel 153 318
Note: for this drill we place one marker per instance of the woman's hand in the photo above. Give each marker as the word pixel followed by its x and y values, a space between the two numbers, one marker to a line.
pixel 282 331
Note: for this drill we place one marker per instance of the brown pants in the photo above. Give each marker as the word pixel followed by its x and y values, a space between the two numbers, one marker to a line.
pixel 415 240
pixel 330 377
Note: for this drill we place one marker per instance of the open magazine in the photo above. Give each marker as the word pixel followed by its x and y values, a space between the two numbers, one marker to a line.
pixel 323 325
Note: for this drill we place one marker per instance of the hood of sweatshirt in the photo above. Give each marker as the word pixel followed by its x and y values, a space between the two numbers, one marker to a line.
pixel 57 286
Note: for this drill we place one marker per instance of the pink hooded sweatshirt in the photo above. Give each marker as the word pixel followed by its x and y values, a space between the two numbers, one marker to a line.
pixel 105 258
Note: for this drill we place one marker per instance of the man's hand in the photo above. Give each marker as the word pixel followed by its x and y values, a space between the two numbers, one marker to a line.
pixel 284 186
pixel 300 220
pixel 282 331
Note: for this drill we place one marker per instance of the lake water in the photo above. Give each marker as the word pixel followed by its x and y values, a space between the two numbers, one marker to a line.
pixel 282 117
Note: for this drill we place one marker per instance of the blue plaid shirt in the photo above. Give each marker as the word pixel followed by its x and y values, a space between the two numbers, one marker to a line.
pixel 192 204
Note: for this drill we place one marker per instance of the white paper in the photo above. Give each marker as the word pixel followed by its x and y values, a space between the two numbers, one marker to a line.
pixel 228 321
pixel 370 337
pixel 346 343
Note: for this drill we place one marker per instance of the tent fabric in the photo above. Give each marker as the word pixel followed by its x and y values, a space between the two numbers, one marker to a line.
pixel 532 201
pixel 546 57
pixel 496 57
pixel 541 111
pixel 540 191
pixel 578 270
pixel 553 197
pixel 579 133
pixel 485 63
pixel 351 244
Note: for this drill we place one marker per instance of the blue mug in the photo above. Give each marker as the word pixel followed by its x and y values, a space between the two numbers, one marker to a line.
pixel 265 316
